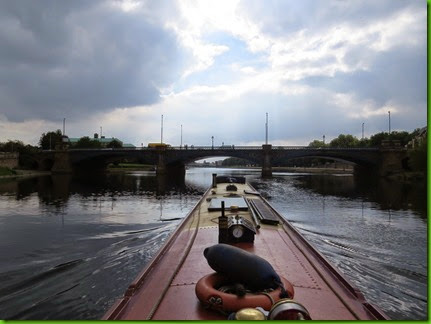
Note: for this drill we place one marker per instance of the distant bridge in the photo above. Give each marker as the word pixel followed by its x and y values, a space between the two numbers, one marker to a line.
pixel 383 160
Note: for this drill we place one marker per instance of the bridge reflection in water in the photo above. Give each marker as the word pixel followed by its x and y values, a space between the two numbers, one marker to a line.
pixel 172 160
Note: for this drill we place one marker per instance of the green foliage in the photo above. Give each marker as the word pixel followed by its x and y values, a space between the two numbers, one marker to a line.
pixel 26 152
pixel 365 142
pixel 6 171
pixel 114 144
pixel 403 137
pixel 376 139
pixel 48 140
pixel 235 162
pixel 12 146
pixel 87 142
pixel 317 143
pixel 347 140
pixel 344 141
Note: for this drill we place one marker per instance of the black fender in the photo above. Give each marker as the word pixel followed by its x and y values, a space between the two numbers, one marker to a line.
pixel 243 267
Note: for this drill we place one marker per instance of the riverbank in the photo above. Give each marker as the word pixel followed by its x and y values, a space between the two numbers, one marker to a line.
pixel 313 170
pixel 407 176
pixel 292 169
pixel 13 173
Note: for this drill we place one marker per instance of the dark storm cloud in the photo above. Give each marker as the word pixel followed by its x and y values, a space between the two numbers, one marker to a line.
pixel 61 59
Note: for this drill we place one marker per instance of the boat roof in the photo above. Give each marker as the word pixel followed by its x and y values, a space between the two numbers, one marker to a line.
pixel 165 289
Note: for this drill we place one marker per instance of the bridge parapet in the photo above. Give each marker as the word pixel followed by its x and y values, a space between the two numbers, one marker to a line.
pixel 9 159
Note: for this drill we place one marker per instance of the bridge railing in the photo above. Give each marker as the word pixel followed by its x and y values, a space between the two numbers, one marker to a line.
pixel 227 148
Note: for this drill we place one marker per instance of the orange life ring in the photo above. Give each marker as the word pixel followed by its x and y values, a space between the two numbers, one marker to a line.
pixel 212 298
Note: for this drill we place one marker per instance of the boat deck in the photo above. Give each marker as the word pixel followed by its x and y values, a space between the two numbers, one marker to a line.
pixel 165 290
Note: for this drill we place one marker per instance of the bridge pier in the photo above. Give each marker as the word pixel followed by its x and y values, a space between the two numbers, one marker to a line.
pixel 161 165
pixel 171 170
pixel 177 170
pixel 266 163
pixel 62 162
pixel 391 161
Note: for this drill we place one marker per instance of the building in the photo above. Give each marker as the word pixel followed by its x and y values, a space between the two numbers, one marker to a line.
pixel 103 141
pixel 418 139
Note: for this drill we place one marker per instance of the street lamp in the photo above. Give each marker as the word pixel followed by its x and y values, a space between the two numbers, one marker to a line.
pixel 363 130
pixel 389 112
pixel 212 142
pixel 323 139
pixel 181 143
pixel 161 132
pixel 266 130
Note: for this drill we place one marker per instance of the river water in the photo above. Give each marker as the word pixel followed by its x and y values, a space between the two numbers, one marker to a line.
pixel 70 246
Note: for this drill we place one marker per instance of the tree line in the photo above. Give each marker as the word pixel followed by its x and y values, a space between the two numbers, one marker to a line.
pixel 49 140
pixel 347 140
pixel 417 155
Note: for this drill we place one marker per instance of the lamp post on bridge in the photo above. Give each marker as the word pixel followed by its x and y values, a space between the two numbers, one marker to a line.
pixel 389 112
pixel 181 142
pixel 266 130
pixel 161 132
pixel 212 142
pixel 363 131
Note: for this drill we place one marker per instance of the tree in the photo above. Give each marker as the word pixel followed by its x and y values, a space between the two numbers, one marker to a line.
pixel 317 143
pixel 235 162
pixel 48 140
pixel 87 142
pixel 403 137
pixel 26 152
pixel 114 144
pixel 12 146
pixel 364 142
pixel 344 141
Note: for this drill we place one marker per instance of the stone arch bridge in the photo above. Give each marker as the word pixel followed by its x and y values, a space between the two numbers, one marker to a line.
pixel 383 160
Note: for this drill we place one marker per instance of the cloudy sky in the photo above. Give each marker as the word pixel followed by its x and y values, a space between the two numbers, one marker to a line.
pixel 214 67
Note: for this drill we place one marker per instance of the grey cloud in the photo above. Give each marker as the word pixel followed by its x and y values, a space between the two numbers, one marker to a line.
pixel 395 75
pixel 283 17
pixel 62 59
pixel 398 75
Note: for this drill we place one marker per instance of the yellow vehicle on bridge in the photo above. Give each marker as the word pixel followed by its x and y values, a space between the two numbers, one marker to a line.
pixel 158 145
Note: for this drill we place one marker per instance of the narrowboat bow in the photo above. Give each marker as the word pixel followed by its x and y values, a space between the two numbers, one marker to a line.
pixel 235 257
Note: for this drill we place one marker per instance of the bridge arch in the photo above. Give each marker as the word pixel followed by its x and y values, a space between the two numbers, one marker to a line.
pixel 360 158
pixel 207 156
pixel 381 160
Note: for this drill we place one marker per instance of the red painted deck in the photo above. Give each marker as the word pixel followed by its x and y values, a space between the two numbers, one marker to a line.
pixel 165 290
